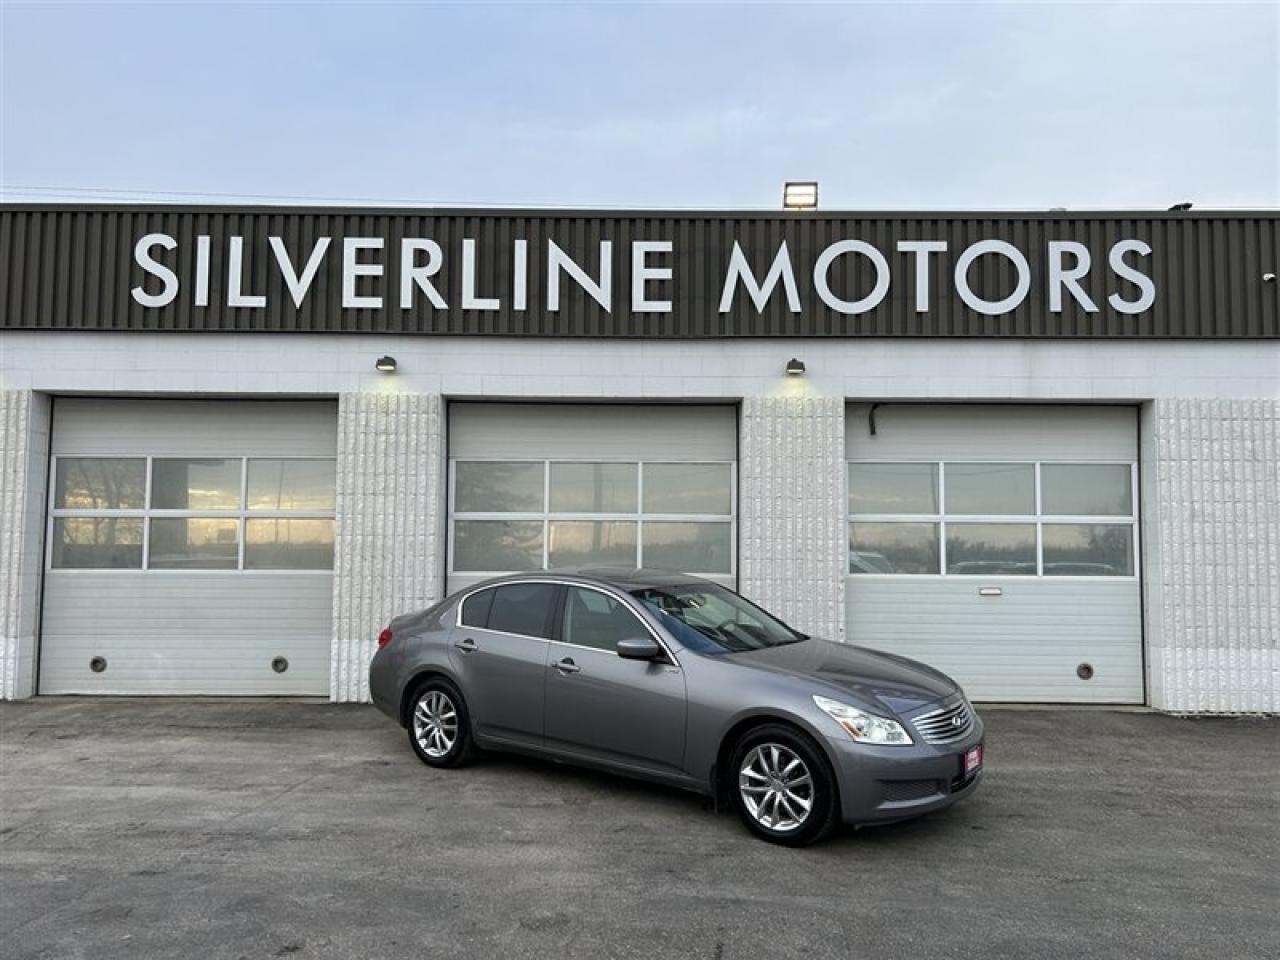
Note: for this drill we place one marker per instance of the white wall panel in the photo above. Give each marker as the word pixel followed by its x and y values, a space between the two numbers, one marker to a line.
pixel 592 431
pixel 186 633
pixel 940 431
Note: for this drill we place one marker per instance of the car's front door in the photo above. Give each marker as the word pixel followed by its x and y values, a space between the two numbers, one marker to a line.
pixel 499 651
pixel 603 706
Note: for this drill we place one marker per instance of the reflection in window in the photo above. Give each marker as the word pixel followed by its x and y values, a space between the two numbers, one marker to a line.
pixel 100 483
pixel 97 543
pixel 482 486
pixel 576 543
pixel 593 487
pixel 288 543
pixel 990 489
pixel 696 488
pixel 194 543
pixel 292 485
pixel 494 546
pixel 1086 489
pixel 195 484
pixel 1088 550
pixel 893 488
pixel 894 548
pixel 991 549
pixel 688 547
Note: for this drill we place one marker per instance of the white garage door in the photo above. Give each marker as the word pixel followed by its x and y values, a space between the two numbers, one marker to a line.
pixel 190 548
pixel 535 486
pixel 999 544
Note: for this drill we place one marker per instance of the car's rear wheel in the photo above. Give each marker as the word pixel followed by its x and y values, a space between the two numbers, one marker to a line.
pixel 439 725
pixel 782 786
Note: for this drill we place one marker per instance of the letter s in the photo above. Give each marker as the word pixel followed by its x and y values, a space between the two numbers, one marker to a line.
pixel 1126 272
pixel 142 256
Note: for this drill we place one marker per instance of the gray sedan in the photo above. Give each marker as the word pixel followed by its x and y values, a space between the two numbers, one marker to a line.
pixel 671 678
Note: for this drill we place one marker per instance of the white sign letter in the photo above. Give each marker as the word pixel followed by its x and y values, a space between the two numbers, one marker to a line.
pixel 411 274
pixel 298 286
pixel 1060 277
pixel 520 276
pixel 142 254
pixel 558 260
pixel 469 299
pixel 642 273
pixel 1126 272
pixel 739 269
pixel 823 266
pixel 353 269
pixel 989 307
pixel 202 272
pixel 921 249
pixel 235 277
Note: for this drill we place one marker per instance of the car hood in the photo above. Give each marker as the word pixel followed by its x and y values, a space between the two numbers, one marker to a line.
pixel 900 684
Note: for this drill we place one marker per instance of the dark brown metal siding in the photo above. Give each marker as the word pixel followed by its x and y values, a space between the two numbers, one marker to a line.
pixel 72 268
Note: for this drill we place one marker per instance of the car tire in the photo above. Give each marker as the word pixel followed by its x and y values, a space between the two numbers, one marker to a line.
pixel 774 771
pixel 439 725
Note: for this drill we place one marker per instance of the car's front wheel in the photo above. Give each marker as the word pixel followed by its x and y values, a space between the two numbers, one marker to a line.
pixel 439 726
pixel 782 786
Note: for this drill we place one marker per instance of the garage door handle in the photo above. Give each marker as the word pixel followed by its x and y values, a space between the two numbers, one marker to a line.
pixel 567 666
pixel 466 646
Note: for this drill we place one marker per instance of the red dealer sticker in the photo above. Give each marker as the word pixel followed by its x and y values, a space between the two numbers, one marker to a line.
pixel 973 759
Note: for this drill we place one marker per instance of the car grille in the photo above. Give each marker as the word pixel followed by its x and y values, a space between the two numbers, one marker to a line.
pixel 896 791
pixel 946 725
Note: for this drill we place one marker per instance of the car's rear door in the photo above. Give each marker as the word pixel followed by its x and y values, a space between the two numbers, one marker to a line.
pixel 499 652
pixel 602 706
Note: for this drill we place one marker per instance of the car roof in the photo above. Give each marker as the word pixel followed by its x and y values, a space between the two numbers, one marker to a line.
pixel 622 578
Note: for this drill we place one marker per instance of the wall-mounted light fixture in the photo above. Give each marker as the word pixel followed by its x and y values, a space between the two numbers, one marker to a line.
pixel 385 365
pixel 800 195
pixel 795 367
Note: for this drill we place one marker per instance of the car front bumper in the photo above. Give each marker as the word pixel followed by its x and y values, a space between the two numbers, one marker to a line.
pixel 882 784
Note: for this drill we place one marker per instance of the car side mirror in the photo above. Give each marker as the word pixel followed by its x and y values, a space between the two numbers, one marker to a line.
pixel 639 648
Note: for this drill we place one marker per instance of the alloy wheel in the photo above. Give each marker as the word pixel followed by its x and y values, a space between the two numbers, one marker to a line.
pixel 776 787
pixel 435 724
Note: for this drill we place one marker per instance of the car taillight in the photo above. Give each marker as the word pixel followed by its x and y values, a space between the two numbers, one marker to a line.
pixel 384 637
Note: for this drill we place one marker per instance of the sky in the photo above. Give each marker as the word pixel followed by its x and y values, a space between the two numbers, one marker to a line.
pixel 888 106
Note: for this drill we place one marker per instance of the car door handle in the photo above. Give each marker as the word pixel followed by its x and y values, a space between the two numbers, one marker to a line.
pixel 567 666
pixel 466 646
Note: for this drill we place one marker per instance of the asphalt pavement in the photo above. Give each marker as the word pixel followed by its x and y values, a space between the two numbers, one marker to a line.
pixel 132 828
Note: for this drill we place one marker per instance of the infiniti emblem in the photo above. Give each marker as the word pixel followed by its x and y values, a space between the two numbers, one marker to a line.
pixel 957 721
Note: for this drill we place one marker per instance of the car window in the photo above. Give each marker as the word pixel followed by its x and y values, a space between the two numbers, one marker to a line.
pixel 594 619
pixel 475 609
pixel 708 618
pixel 523 608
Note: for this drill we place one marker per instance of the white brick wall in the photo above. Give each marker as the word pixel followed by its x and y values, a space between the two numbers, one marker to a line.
pixel 792 546
pixel 389 552
pixel 24 447
pixel 1212 533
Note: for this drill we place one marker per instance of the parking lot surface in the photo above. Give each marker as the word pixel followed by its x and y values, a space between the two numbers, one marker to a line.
pixel 282 829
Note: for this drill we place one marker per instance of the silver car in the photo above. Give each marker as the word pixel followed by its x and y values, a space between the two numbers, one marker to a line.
pixel 672 678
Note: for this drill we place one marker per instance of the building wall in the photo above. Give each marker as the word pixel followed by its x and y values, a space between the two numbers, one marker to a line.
pixel 24 458
pixel 1208 450
pixel 792 546
pixel 1212 535
pixel 389 547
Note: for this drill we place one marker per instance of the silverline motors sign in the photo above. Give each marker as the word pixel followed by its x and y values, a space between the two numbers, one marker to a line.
pixel 848 275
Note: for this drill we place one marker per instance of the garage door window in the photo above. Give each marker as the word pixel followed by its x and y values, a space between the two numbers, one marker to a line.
pixel 539 514
pixel 207 513
pixel 992 519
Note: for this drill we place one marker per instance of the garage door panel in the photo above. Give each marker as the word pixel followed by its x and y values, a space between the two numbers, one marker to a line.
pixel 216 492
pixel 937 520
pixel 224 644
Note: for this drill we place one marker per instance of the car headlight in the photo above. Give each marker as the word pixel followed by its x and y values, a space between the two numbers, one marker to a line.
pixel 862 726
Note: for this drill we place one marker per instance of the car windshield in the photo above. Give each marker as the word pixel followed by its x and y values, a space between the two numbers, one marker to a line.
pixel 707 618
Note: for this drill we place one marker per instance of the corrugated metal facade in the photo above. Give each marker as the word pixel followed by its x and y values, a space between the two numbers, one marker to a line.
pixel 72 268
